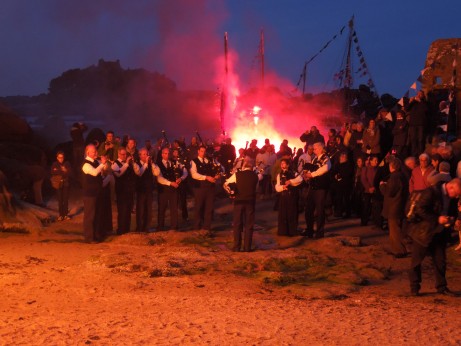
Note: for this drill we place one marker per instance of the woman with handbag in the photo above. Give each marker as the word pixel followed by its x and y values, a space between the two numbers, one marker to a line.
pixel 60 173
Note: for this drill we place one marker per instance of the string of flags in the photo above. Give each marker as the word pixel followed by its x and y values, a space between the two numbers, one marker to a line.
pixel 315 55
pixel 344 76
pixel 363 69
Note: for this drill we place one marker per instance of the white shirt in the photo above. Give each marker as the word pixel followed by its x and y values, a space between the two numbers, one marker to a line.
pixel 193 169
pixel 89 169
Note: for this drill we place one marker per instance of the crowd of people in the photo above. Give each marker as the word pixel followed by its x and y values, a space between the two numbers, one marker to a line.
pixel 389 170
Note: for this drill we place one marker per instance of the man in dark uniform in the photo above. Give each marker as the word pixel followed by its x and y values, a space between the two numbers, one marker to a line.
pixel 245 182
pixel 227 155
pixel 181 172
pixel 168 193
pixel 204 184
pixel 145 170
pixel 286 184
pixel 319 179
pixel 92 185
pixel 125 185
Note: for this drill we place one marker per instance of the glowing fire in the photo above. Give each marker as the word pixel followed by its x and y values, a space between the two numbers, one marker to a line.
pixel 256 110
pixel 260 128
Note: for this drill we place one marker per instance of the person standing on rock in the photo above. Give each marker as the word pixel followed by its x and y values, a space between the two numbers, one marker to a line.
pixel 246 181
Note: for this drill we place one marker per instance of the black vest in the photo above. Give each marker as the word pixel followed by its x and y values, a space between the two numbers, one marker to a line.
pixel 287 175
pixel 145 183
pixel 321 182
pixel 167 173
pixel 126 183
pixel 203 168
pixel 246 182
pixel 91 184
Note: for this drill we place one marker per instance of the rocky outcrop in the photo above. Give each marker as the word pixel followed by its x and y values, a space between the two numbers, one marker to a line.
pixel 12 127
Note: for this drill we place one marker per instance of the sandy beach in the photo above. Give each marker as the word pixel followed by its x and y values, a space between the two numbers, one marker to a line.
pixel 171 288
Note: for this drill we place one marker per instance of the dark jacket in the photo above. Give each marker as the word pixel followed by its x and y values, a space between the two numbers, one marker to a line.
pixel 418 113
pixel 311 138
pixel 395 192
pixel 424 207
pixel 400 132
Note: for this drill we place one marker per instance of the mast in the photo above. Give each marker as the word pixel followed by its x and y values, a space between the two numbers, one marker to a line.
pixel 304 75
pixel 348 81
pixel 225 87
pixel 261 55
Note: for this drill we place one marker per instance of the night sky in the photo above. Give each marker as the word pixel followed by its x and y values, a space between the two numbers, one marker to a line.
pixel 183 39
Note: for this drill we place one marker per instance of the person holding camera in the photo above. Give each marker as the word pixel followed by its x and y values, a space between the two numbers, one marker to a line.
pixel 428 222
pixel 109 148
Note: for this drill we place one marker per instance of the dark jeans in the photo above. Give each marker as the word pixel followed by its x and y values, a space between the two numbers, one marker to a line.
pixel 63 200
pixel 143 210
pixel 168 197
pixel 244 217
pixel 125 202
pixel 89 211
pixel 437 250
pixel 315 205
pixel 288 213
pixel 183 200
pixel 203 207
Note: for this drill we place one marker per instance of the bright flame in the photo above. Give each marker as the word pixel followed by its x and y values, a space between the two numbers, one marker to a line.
pixel 260 128
pixel 256 110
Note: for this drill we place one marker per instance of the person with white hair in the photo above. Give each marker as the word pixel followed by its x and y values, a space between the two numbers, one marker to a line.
pixel 92 186
pixel 419 174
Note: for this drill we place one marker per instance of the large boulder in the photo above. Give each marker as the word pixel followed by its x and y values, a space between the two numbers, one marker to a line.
pixel 12 127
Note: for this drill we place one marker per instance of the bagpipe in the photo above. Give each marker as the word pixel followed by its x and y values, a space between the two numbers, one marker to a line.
pixel 177 169
pixel 238 163
pixel 166 142
pixel 216 167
